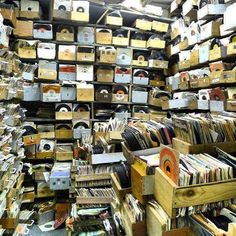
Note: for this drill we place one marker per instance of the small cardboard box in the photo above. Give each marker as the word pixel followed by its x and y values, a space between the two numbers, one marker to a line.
pixel 210 30
pixel 120 41
pixel 204 53
pixel 31 139
pixel 120 97
pixel 183 45
pixel 231 105
pixel 183 65
pixel 63 115
pixel 215 77
pixel 139 97
pixel 80 11
pixel 143 24
pixel 217 106
pixel 203 104
pixel 46 50
pixel 105 75
pixel 210 10
pixel 114 20
pixel 23 28
pixel 65 33
pixel 160 26
pixel 67 52
pixel 64 152
pixel 68 93
pixel 85 94
pixel 29 9
pixel 103 97
pixel 194 57
pixel 156 43
pixel 47 70
pixel 217 53
pixel 140 63
pixel 107 55
pixel 138 43
pixel 86 54
pixel 27 48
pixel 81 115
pixel 160 64
pixel 141 116
pixel 204 82
pixel 63 133
pixel 103 36
pixel 228 76
pixel 231 48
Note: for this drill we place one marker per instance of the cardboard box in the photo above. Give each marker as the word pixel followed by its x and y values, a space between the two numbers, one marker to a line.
pixel 141 116
pixel 143 24
pixel 194 57
pixel 50 92
pixel 184 65
pixel 46 50
pixel 42 31
pixel 140 63
pixel 62 9
pixel 203 104
pixel 31 139
pixel 138 43
pixel 210 30
pixel 231 105
pixel 160 64
pixel 231 48
pixel 204 82
pixel 120 41
pixel 156 43
pixel 120 97
pixel 68 93
pixel 29 9
pixel 84 72
pixel 107 55
pixel 228 76
pixel 175 103
pixel 210 10
pixel 103 97
pixel 27 48
pixel 77 14
pixel 47 70
pixel 105 75
pixel 103 36
pixel 63 132
pixel 23 28
pixel 114 20
pixel 65 33
pixel 85 93
pixel 67 72
pixel 85 53
pixel 64 152
pixel 217 53
pixel 67 52
pixel 204 53
pixel 31 92
pixel 139 97
pixel 160 26
pixel 229 17
pixel 190 9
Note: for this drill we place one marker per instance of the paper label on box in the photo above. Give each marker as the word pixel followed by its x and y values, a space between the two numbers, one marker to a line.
pixel 217 106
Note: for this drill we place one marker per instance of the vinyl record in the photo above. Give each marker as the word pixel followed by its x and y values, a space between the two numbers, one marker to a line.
pixel 157 55
pixel 138 36
pixel 29 130
pixel 140 89
pixel 120 89
pixel 215 44
pixel 63 108
pixel 161 94
pixel 154 75
pixel 140 56
pixel 104 89
pixel 80 9
pixel 121 33
pixel 65 29
pixel 203 3
pixel 81 108
pixel 47 147
pixel 62 8
pixel 122 108
pixel 104 31
pixel 81 125
pixel 169 164
pixel 233 38
pixel 115 14
pixel 140 73
pixel 155 36
pixel 217 94
pixel 184 77
pixel 141 109
pixel 63 127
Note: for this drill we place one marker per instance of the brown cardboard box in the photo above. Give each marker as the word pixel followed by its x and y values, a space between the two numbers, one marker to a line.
pixel 63 115
pixel 27 49
pixel 138 43
pixel 231 105
pixel 120 41
pixel 143 24
pixel 23 28
pixel 160 26
pixel 103 97
pixel 64 152
pixel 217 53
pixel 231 48
pixel 86 56
pixel 85 94
pixel 80 16
pixel 103 37
pixel 107 55
pixel 105 75
pixel 140 63
pixel 67 52
pixel 228 76
pixel 194 57
pixel 113 20
pixel 160 64
pixel 183 65
pixel 156 43
pixel 31 139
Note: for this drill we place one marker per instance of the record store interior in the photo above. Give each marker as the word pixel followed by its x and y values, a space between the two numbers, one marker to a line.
pixel 118 117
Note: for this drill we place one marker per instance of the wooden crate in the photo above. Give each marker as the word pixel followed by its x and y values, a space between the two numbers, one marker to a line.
pixel 177 197
pixel 120 192
pixel 132 228
pixel 210 148
pixel 94 200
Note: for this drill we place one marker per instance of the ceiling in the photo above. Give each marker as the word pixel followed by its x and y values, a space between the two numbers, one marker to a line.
pixel 162 3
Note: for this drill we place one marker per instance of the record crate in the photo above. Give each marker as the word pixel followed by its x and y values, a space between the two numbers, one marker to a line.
pixel 199 194
pixel 209 148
